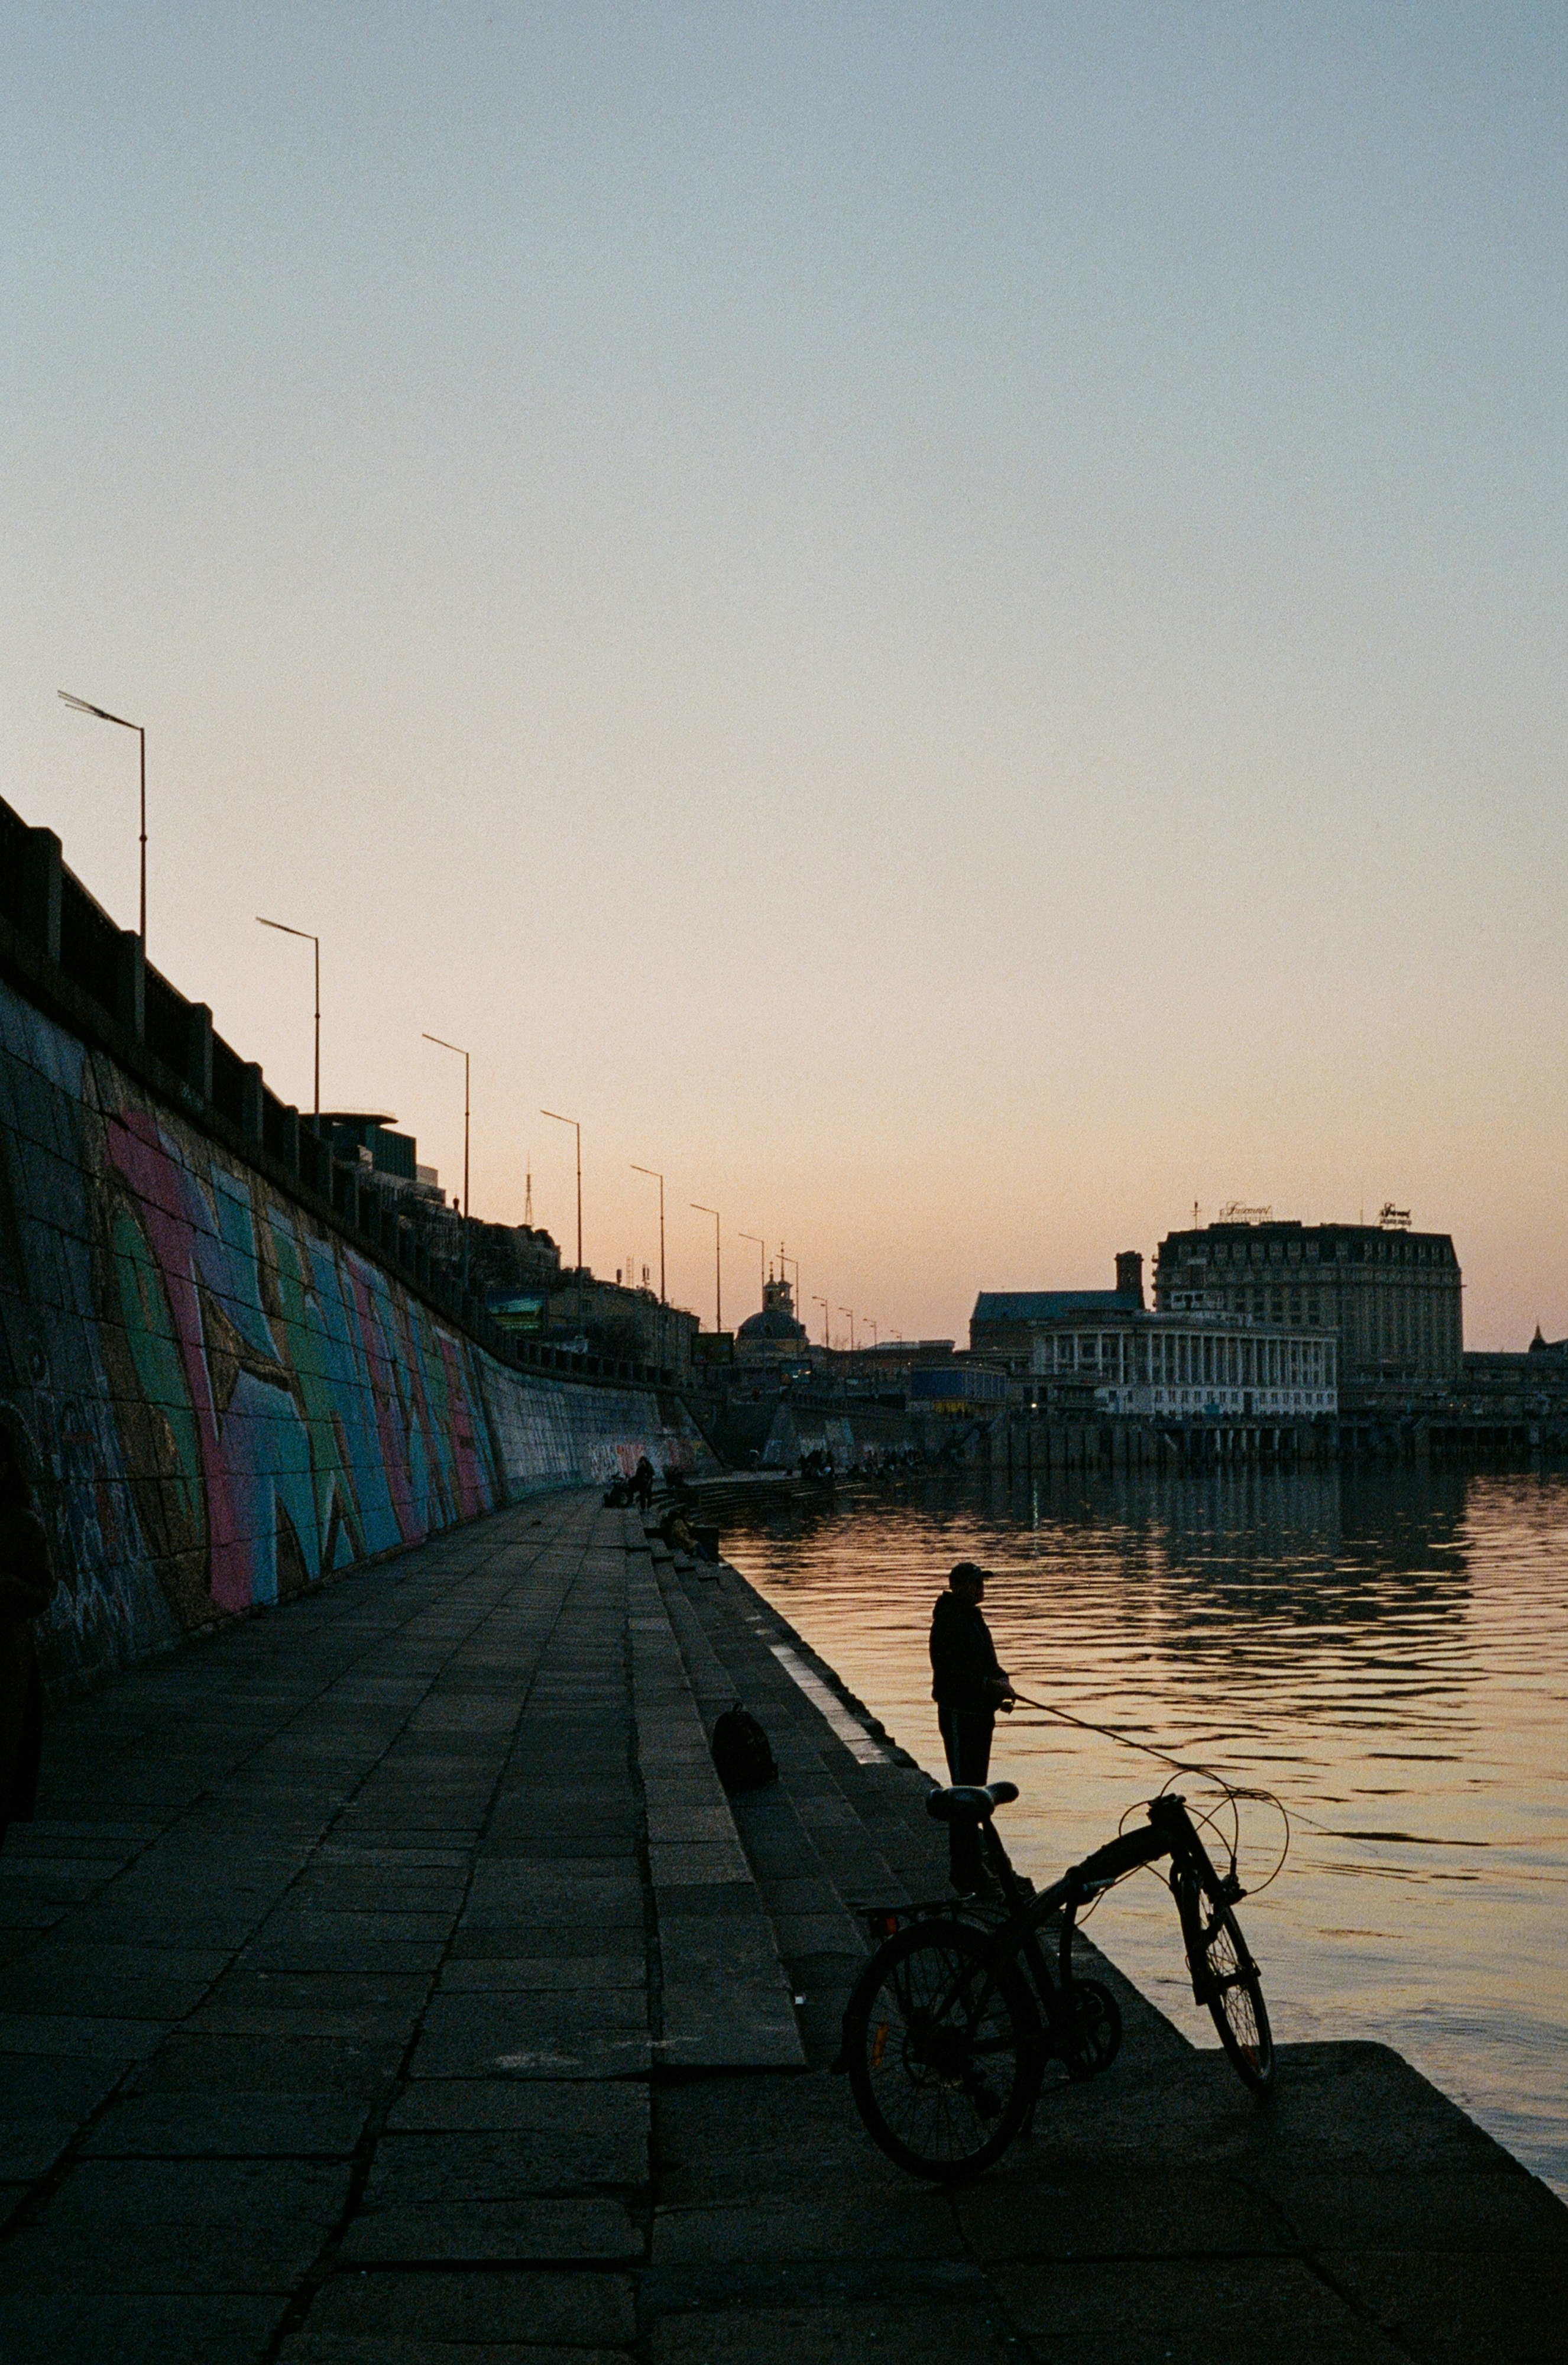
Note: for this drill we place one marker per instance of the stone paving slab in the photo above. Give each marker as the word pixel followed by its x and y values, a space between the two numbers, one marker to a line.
pixel 161 2328
pixel 520 2307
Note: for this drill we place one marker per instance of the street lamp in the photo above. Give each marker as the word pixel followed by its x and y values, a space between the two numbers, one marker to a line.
pixel 876 1333
pixel 659 1179
pixel 718 1267
pixel 823 1303
pixel 761 1247
pixel 284 930
pixel 80 706
pixel 464 1056
pixel 577 1128
pixel 850 1311
pixel 784 1260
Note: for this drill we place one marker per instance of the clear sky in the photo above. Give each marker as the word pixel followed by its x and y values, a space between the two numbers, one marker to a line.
pixel 946 622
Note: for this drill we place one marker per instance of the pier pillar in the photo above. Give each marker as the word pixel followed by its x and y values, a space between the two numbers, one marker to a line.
pixel 130 985
pixel 43 886
pixel 198 1048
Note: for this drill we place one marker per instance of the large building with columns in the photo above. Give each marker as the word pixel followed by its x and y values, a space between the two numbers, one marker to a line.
pixel 1196 1366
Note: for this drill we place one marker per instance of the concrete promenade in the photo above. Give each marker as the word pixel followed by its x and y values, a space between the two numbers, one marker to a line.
pixel 390 1981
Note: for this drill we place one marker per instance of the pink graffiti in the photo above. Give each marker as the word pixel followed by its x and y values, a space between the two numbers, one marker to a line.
pixel 164 1189
pixel 473 1494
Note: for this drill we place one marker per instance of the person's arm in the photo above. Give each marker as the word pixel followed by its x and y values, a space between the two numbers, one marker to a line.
pixel 998 1682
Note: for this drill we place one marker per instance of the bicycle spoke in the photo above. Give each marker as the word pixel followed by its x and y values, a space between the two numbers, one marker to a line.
pixel 941 2056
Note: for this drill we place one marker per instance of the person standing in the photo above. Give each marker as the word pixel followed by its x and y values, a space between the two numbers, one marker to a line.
pixel 27 1581
pixel 969 1684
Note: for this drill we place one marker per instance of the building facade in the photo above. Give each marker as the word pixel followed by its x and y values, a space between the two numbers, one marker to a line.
pixel 1391 1297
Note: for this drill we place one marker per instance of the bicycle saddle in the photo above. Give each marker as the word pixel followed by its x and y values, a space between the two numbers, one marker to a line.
pixel 968 1802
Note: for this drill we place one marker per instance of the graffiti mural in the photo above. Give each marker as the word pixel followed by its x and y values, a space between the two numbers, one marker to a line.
pixel 223 1401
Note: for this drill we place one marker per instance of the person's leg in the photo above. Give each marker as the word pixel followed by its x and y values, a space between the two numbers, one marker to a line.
pixel 966 1741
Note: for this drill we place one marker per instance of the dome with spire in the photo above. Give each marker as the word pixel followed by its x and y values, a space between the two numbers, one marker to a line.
pixel 774 1336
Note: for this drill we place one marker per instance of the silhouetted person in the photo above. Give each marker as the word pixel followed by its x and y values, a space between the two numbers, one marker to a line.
pixel 643 1481
pixel 969 1686
pixel 27 1581
pixel 676 1530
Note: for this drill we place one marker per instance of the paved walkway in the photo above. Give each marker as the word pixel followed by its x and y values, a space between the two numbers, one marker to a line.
pixel 389 1979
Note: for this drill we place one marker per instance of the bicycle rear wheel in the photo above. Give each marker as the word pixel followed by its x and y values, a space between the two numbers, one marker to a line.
pixel 1224 1977
pixel 943 2050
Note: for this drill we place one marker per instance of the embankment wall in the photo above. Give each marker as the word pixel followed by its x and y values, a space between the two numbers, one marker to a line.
pixel 223 1399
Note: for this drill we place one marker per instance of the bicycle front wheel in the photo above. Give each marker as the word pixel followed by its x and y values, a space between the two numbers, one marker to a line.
pixel 943 2049
pixel 1224 1977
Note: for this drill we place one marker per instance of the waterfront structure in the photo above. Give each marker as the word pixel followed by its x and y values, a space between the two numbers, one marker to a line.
pixel 958 1386
pixel 1392 1296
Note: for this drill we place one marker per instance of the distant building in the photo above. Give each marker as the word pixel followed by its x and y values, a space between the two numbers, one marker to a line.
pixel 387 1158
pixel 773 1341
pixel 1392 1297
pixel 1006 1322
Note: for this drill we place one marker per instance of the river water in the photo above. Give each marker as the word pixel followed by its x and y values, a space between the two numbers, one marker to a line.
pixel 1387 1651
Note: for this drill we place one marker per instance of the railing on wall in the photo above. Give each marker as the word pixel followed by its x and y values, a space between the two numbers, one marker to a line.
pixel 51 909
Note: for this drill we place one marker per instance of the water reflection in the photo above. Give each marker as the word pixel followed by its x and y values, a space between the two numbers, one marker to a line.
pixel 1387 1649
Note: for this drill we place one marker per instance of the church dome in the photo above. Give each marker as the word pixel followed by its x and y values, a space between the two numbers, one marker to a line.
pixel 773 1335
pixel 771 1323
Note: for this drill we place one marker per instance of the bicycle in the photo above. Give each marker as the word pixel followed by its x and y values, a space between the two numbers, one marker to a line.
pixel 953 2024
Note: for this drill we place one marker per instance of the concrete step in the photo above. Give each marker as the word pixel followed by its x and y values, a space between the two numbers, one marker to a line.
pixel 810 1849
pixel 725 1999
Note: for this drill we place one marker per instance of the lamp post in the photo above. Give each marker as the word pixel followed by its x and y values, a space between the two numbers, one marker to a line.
pixel 784 1260
pixel 284 930
pixel 659 1179
pixel 823 1303
pixel 80 706
pixel 718 1267
pixel 577 1128
pixel 761 1247
pixel 464 1056
pixel 850 1311
pixel 876 1334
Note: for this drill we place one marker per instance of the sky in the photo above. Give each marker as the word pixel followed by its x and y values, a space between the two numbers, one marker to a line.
pixel 947 622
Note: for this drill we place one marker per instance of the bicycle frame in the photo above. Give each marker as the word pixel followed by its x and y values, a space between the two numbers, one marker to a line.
pixel 1168 1832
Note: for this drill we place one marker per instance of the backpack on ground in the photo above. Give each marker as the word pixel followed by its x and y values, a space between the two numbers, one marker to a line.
pixel 741 1756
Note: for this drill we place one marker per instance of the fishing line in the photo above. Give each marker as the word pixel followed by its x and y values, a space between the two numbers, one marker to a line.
pixel 1233 1791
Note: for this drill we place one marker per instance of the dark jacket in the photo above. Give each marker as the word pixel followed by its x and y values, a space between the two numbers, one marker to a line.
pixel 963 1657
pixel 27 1581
